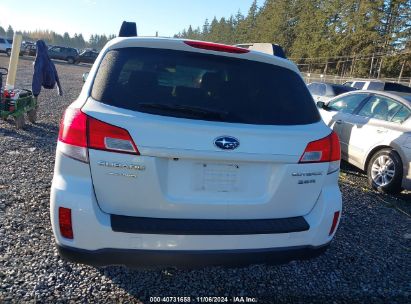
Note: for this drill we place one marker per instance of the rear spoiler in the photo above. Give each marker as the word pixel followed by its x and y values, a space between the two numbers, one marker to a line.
pixel 129 29
pixel 268 48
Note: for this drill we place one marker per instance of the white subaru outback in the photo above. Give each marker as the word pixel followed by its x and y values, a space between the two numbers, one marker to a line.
pixel 185 152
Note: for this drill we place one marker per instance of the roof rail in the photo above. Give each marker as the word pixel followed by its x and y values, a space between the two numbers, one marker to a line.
pixel 268 48
pixel 128 29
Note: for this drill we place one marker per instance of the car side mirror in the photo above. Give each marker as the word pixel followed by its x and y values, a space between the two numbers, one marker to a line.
pixel 321 104
pixel 85 75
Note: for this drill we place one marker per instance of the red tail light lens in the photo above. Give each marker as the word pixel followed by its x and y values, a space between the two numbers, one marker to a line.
pixel 216 47
pixel 66 228
pixel 73 127
pixel 79 132
pixel 326 149
pixel 103 136
pixel 335 221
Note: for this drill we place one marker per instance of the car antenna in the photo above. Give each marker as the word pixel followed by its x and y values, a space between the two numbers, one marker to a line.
pixel 128 29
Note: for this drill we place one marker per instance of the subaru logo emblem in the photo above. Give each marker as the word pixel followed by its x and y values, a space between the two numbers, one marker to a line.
pixel 226 142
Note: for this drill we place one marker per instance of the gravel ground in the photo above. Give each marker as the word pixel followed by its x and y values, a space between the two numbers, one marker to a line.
pixel 369 259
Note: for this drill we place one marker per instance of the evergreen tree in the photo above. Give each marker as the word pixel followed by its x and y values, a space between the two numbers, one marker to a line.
pixel 213 35
pixel 197 34
pixel 247 30
pixel 66 39
pixel 396 35
pixel 206 28
pixel 102 40
pixel 10 32
pixel 276 23
pixel 189 34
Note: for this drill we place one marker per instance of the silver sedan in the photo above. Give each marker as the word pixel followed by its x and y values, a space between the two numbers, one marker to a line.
pixel 374 128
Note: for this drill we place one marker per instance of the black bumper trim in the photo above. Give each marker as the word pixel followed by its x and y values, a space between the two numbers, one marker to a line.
pixel 145 225
pixel 189 258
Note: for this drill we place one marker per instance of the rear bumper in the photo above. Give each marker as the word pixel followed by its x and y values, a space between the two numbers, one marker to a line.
pixel 189 258
pixel 132 242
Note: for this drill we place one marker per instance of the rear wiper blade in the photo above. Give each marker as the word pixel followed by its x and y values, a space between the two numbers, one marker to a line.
pixel 186 109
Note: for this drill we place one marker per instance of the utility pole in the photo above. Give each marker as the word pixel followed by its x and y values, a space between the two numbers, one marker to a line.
pixel 402 69
pixel 371 66
pixel 379 69
pixel 352 66
pixel 343 68
pixel 325 68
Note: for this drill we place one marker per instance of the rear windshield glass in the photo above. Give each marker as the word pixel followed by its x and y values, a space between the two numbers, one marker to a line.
pixel 203 86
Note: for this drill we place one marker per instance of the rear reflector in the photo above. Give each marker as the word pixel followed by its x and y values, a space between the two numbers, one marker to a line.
pixel 335 221
pixel 216 47
pixel 103 136
pixel 65 224
pixel 326 149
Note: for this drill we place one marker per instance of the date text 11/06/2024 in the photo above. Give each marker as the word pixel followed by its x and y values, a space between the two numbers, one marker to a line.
pixel 240 299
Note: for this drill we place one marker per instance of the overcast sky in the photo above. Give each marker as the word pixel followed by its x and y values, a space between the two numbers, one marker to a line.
pixel 105 16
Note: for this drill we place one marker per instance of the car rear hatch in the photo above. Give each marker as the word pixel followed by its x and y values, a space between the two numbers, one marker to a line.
pixel 209 137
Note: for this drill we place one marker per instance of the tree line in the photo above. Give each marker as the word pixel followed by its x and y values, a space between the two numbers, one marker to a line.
pixel 361 38
pixel 52 38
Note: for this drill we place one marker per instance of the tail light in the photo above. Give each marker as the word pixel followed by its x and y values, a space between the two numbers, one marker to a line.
pixel 73 134
pixel 66 228
pixel 79 132
pixel 103 136
pixel 73 127
pixel 334 223
pixel 216 47
pixel 326 149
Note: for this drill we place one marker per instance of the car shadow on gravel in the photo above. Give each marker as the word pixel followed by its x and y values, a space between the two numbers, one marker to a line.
pixel 352 170
pixel 45 127
pixel 211 282
pixel 334 273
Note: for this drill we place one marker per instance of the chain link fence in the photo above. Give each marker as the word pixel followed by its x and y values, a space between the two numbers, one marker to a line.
pixel 311 77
